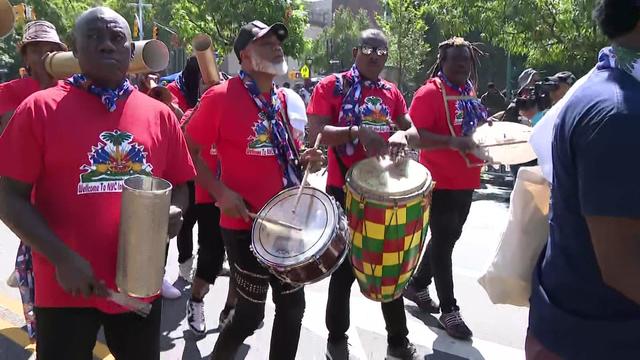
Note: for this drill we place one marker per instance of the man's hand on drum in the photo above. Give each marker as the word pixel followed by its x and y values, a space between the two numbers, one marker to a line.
pixel 312 158
pixel 232 204
pixel 398 146
pixel 464 144
pixel 75 275
pixel 373 143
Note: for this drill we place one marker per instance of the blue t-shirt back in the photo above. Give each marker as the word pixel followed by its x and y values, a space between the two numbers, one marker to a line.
pixel 596 173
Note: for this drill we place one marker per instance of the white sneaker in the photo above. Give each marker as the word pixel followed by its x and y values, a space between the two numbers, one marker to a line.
pixel 169 291
pixel 12 281
pixel 195 317
pixel 186 270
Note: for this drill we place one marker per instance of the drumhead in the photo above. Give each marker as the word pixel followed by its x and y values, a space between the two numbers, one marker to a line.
pixel 504 143
pixel 278 246
pixel 382 179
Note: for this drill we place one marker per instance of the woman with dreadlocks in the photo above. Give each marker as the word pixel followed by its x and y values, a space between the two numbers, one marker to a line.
pixel 444 134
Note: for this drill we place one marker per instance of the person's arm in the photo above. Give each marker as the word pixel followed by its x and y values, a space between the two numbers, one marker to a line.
pixel 424 113
pixel 616 242
pixel 21 162
pixel 179 205
pixel 321 120
pixel 229 202
pixel 423 139
pixel 74 273
pixel 610 203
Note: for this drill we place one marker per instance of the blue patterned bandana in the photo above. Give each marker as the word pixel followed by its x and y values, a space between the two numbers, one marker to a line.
pixel 282 145
pixel 473 110
pixel 616 57
pixel 109 97
pixel 350 113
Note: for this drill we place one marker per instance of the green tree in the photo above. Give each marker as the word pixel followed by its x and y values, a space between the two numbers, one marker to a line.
pixel 222 19
pixel 336 42
pixel 404 23
pixel 544 31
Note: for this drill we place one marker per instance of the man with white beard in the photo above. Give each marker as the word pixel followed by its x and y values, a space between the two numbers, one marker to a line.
pixel 258 158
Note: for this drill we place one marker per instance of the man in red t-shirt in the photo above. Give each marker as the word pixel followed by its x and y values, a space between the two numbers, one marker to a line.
pixel 353 137
pixel 73 145
pixel 40 37
pixel 241 118
pixel 445 134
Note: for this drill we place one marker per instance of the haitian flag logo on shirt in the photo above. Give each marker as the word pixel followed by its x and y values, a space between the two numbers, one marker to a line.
pixel 375 114
pixel 260 142
pixel 111 162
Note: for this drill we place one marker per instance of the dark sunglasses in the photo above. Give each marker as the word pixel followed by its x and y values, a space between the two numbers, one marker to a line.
pixel 368 50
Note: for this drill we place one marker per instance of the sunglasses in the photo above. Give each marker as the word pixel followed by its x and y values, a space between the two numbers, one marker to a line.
pixel 368 50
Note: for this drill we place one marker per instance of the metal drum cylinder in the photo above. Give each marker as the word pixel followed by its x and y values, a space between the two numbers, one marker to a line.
pixel 144 222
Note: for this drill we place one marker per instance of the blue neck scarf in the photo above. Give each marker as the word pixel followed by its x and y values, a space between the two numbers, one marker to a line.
pixel 282 145
pixel 350 113
pixel 180 82
pixel 616 57
pixel 473 110
pixel 109 97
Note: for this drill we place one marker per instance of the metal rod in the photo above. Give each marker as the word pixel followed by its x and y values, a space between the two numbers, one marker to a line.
pixel 274 221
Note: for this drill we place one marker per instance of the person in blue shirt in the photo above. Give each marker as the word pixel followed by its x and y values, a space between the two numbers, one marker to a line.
pixel 585 301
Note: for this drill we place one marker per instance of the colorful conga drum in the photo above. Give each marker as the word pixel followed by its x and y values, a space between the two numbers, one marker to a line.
pixel 387 207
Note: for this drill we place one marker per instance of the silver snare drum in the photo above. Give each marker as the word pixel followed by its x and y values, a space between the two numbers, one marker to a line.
pixel 301 256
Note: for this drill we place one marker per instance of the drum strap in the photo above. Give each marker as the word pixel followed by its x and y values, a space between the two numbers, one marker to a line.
pixel 341 89
pixel 446 99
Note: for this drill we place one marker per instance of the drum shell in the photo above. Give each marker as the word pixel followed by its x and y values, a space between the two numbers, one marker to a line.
pixel 326 259
pixel 388 235
pixel 149 56
pixel 144 223
pixel 316 269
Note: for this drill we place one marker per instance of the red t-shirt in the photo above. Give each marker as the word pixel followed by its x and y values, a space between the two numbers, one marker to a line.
pixel 210 158
pixel 178 97
pixel 76 153
pixel 228 118
pixel 14 92
pixel 448 167
pixel 380 107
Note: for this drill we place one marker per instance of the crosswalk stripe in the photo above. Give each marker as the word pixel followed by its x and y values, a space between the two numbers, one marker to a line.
pixel 20 337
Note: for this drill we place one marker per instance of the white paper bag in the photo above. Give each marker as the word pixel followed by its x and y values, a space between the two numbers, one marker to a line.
pixel 508 279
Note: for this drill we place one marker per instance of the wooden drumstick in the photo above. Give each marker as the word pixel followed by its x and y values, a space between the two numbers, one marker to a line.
pixel 274 221
pixel 304 178
pixel 504 143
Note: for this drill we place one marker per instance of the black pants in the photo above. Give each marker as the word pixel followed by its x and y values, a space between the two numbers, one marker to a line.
pixel 189 219
pixel 337 316
pixel 210 244
pixel 251 281
pixel 449 211
pixel 70 333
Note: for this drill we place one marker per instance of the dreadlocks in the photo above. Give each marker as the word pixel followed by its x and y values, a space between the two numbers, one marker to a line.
pixel 455 41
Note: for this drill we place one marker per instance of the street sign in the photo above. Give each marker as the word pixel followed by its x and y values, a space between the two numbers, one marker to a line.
pixel 305 72
pixel 294 75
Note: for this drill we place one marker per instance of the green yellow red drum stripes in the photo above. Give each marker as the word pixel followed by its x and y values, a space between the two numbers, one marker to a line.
pixel 387 242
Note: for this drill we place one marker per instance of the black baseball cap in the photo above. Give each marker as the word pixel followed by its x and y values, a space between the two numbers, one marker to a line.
pixel 562 77
pixel 255 30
